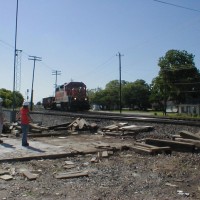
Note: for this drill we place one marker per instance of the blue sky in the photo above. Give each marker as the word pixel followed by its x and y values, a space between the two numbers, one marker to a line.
pixel 81 38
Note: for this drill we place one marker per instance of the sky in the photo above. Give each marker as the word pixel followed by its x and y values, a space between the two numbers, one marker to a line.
pixel 82 38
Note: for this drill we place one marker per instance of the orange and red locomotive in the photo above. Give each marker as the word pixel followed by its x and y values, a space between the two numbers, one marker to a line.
pixel 69 96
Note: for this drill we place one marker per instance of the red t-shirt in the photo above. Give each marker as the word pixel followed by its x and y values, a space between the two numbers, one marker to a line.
pixel 24 115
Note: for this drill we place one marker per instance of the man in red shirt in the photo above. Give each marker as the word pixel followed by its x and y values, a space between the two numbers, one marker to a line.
pixel 25 120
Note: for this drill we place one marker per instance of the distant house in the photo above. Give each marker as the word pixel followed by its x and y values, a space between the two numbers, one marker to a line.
pixel 171 107
pixel 190 109
pixel 95 107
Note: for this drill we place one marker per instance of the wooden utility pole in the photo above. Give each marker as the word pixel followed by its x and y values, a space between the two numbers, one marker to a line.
pixel 56 73
pixel 34 58
pixel 120 86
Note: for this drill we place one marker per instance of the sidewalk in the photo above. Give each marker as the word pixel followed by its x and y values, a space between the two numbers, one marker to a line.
pixel 56 147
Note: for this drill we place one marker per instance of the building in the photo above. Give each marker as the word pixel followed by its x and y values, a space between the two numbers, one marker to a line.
pixel 189 109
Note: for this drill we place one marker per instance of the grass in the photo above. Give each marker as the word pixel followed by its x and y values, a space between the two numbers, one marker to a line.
pixel 159 114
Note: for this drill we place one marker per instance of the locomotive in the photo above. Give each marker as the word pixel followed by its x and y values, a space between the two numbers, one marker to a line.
pixel 69 97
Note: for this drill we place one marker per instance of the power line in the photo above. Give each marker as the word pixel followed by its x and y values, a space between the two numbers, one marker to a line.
pixel 25 53
pixel 97 67
pixel 175 5
pixel 178 68
pixel 44 64
pixel 175 83
pixel 189 91
pixel 6 44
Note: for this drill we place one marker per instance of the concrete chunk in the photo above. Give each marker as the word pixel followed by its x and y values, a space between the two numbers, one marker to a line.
pixel 175 145
pixel 105 154
pixel 189 135
pixel 30 175
pixel 72 175
pixel 68 162
pixel 6 177
pixel 3 172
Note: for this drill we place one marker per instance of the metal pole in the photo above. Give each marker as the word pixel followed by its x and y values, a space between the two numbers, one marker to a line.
pixel 13 105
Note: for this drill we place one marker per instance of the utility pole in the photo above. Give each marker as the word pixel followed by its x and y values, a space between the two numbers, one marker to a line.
pixel 165 93
pixel 34 58
pixel 120 86
pixel 56 73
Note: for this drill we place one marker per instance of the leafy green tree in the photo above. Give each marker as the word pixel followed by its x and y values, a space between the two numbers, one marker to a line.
pixel 7 97
pixel 99 97
pixel 109 97
pixel 113 93
pixel 18 99
pixel 92 95
pixel 136 94
pixel 157 93
pixel 133 94
pixel 178 79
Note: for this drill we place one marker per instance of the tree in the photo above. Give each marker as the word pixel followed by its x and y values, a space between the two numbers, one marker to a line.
pixel 136 94
pixel 157 93
pixel 99 97
pixel 113 93
pixel 178 79
pixel 7 97
pixel 92 95
pixel 109 97
pixel 133 94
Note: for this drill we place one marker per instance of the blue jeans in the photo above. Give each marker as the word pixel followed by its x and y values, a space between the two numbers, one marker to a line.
pixel 24 133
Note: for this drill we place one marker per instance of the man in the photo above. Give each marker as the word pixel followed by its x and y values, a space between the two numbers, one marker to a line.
pixel 1 117
pixel 25 120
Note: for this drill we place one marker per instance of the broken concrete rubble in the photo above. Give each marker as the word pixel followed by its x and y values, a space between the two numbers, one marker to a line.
pixel 124 129
pixel 175 145
pixel 6 177
pixel 76 125
pixel 131 175
pixel 189 135
pixel 29 175
pixel 82 124
pixel 74 174
pixel 151 146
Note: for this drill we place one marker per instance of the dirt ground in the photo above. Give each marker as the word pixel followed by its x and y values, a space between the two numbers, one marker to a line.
pixel 122 175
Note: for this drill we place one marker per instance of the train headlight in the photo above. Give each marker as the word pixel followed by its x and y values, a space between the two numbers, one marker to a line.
pixel 75 98
pixel 85 99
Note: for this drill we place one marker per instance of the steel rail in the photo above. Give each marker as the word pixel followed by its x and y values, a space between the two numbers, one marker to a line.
pixel 121 117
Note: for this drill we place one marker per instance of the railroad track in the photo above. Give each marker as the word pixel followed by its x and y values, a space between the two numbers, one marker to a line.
pixel 121 117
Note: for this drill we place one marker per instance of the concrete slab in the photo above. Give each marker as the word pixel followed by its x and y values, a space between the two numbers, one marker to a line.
pixel 55 147
pixel 11 149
